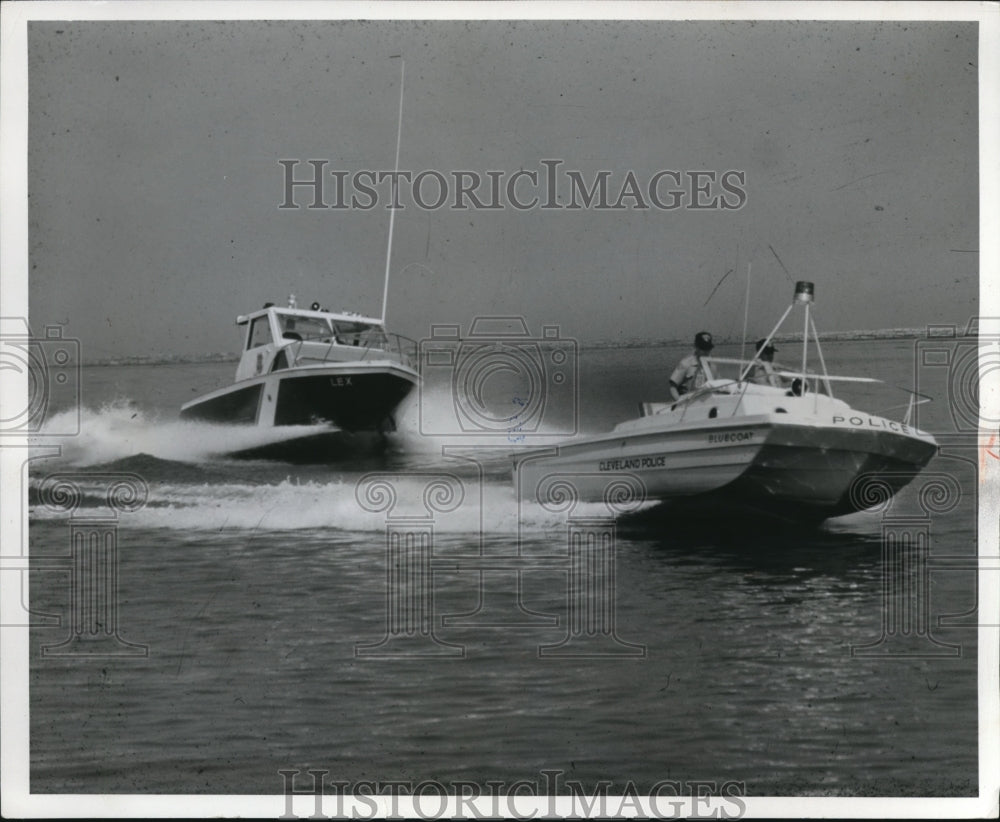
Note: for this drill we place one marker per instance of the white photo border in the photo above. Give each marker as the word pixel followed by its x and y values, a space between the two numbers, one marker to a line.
pixel 14 722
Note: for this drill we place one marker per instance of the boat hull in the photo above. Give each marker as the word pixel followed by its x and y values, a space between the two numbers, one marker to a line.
pixel 354 406
pixel 810 475
pixel 792 470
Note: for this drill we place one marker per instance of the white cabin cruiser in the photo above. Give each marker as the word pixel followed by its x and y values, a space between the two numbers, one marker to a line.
pixel 786 447
pixel 311 367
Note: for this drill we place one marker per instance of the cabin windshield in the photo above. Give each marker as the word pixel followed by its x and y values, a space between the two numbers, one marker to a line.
pixel 354 333
pixel 260 333
pixel 303 328
pixel 775 374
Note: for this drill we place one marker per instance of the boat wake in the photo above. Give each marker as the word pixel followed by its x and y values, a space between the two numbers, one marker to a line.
pixel 487 508
pixel 194 485
pixel 120 429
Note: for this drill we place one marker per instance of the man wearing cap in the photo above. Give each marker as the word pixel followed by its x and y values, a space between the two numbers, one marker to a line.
pixel 763 372
pixel 692 371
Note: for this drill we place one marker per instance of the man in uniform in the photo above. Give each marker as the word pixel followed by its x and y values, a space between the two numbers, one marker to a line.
pixel 763 372
pixel 691 372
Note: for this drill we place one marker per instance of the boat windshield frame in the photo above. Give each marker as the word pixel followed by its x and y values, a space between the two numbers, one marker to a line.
pixel 365 335
pixel 287 322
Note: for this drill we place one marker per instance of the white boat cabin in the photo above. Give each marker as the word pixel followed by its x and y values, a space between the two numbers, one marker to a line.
pixel 722 398
pixel 752 388
pixel 279 338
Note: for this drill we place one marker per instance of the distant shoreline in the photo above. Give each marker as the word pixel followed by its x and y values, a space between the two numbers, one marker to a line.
pixel 165 359
pixel 828 336
pixel 824 336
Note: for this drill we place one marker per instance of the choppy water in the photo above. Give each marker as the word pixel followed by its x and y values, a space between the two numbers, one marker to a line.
pixel 259 588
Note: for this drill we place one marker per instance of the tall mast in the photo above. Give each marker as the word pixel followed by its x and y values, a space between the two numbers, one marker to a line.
pixel 804 295
pixel 395 187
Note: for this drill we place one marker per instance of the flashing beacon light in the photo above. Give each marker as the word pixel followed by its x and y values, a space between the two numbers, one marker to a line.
pixel 291 301
pixel 804 292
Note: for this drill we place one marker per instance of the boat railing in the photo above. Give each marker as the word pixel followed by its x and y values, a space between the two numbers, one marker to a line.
pixel 728 387
pixel 405 348
pixel 778 375
pixel 367 344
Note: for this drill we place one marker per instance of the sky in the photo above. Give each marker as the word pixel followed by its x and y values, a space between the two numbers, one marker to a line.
pixel 155 182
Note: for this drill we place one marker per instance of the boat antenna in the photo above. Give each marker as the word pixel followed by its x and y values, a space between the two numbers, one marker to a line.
pixel 775 253
pixel 395 184
pixel 746 313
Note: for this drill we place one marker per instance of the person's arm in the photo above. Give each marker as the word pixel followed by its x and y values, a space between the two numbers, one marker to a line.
pixel 675 390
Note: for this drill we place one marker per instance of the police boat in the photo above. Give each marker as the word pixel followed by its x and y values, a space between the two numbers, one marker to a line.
pixel 338 377
pixel 783 445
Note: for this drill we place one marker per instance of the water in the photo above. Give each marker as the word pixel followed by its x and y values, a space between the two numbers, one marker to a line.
pixel 258 588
